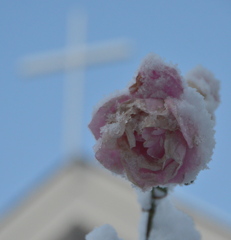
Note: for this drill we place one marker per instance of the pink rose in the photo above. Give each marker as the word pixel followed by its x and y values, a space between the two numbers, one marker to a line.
pixel 152 134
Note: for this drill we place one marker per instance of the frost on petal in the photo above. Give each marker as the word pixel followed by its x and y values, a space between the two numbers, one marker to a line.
pixel 157 79
pixel 105 232
pixel 179 226
pixel 197 130
pixel 153 105
pixel 100 117
pixel 207 85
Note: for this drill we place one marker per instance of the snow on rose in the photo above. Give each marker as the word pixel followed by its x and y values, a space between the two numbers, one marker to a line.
pixel 157 132
pixel 207 85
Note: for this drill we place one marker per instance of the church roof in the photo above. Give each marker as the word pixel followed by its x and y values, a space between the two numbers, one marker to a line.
pixel 79 197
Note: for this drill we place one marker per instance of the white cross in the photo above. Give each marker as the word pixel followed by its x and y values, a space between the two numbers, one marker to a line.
pixel 73 59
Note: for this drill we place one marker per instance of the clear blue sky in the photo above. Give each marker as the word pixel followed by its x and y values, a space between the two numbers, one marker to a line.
pixel 184 32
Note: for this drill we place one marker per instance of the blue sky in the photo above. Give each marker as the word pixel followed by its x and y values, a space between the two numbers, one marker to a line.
pixel 184 32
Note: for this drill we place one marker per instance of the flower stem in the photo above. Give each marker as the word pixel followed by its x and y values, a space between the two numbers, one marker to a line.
pixel 156 194
pixel 151 213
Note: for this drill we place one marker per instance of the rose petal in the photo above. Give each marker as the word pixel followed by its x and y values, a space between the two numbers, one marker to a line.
pixel 175 147
pixel 157 79
pixel 110 159
pixel 100 117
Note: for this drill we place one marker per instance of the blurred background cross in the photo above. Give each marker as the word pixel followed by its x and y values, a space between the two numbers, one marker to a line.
pixel 73 60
